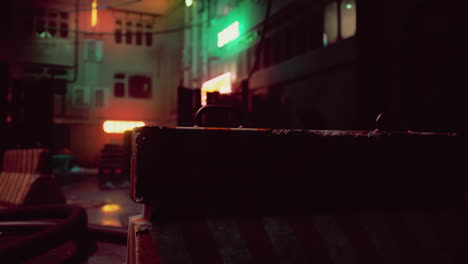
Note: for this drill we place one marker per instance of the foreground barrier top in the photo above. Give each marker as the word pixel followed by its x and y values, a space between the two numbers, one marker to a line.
pixel 295 196
pixel 188 170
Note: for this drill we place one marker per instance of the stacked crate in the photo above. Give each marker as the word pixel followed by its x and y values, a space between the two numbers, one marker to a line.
pixel 111 173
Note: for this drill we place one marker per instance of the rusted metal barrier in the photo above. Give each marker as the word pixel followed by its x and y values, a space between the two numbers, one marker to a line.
pixel 297 196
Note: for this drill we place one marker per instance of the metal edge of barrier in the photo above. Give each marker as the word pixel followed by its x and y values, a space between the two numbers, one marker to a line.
pixel 110 234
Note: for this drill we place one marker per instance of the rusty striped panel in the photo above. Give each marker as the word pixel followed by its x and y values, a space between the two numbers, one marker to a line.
pixel 21 167
pixel 359 238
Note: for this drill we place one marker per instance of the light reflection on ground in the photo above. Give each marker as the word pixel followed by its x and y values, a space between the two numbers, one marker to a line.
pixel 104 207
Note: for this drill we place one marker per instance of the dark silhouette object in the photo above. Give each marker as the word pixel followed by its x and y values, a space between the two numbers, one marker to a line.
pixel 69 223
pixel 219 116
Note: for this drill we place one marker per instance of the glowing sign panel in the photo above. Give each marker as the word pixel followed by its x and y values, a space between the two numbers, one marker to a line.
pixel 94 13
pixel 188 2
pixel 228 34
pixel 221 84
pixel 118 127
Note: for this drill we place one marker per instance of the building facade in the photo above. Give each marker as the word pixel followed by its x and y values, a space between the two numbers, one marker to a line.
pixel 107 60
pixel 295 56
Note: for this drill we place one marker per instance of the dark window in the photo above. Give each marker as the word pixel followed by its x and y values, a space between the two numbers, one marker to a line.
pixel 119 76
pixel 139 25
pixel 39 12
pixel 129 24
pixel 64 15
pixel 64 30
pixel 52 28
pixel 40 26
pixel 129 37
pixel 138 37
pixel 99 98
pixel 32 69
pixel 290 41
pixel 139 86
pixel 29 26
pixel 149 26
pixel 301 30
pixel 118 36
pixel 267 52
pixel 53 15
pixel 119 89
pixel 79 97
pixel 149 39
pixel 118 22
pixel 57 71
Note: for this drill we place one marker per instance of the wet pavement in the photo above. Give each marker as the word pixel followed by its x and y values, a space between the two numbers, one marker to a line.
pixel 105 206
pixel 108 205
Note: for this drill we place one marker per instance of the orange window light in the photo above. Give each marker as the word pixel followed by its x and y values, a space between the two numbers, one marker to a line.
pixel 94 13
pixel 221 84
pixel 118 127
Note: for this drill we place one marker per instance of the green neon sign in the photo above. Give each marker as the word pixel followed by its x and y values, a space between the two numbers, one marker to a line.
pixel 228 34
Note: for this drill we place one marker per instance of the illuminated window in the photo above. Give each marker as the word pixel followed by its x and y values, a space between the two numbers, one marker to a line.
pixel 330 34
pixel 348 18
pixel 339 21
pixel 221 84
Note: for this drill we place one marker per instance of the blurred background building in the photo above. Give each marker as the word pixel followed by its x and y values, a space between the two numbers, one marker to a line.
pixel 68 66
pixel 296 59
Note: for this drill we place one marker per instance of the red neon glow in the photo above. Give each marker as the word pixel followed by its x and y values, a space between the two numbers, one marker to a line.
pixel 221 84
pixel 118 127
